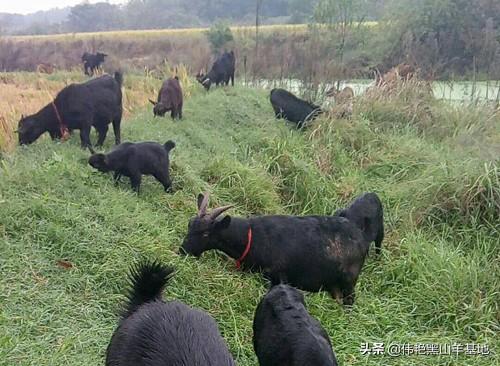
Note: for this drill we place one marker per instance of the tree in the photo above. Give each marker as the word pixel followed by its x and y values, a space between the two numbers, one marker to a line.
pixel 446 35
pixel 219 35
pixel 94 17
pixel 301 10
pixel 340 16
pixel 258 6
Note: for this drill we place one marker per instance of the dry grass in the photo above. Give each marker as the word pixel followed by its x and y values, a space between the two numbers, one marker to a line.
pixel 165 71
pixel 20 95
pixel 152 33
pixel 6 134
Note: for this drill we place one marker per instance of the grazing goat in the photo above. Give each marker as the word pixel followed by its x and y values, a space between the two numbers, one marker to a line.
pixel 367 212
pixel 92 63
pixel 312 252
pixel 169 99
pixel 96 102
pixel 284 334
pixel 152 332
pixel 134 160
pixel 288 106
pixel 221 73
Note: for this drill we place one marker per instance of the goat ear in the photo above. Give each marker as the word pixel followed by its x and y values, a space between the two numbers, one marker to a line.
pixel 152 102
pixel 200 200
pixel 223 224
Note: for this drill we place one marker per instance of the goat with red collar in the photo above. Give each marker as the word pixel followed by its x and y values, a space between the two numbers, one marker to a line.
pixel 95 103
pixel 313 253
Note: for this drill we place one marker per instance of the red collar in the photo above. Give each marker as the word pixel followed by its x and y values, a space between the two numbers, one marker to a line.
pixel 247 249
pixel 62 127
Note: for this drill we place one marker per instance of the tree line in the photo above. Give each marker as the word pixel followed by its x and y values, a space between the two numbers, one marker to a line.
pixel 444 38
pixel 151 14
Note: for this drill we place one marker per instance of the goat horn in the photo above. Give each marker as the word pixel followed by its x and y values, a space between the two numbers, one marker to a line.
pixel 219 211
pixel 202 209
pixel 206 81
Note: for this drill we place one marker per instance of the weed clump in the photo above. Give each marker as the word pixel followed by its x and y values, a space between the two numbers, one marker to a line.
pixel 246 186
pixel 467 197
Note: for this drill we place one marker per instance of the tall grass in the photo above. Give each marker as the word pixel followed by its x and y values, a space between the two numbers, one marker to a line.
pixel 437 280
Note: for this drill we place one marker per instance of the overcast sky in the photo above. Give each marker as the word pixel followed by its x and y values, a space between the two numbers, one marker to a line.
pixel 31 6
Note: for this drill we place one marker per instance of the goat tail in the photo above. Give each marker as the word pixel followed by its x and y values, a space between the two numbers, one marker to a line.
pixel 147 281
pixel 169 145
pixel 119 77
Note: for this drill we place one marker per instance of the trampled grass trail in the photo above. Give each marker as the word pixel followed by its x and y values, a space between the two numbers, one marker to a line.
pixel 436 282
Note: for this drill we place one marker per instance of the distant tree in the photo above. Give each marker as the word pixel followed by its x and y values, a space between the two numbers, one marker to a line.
pixel 340 16
pixel 445 35
pixel 212 10
pixel 219 35
pixel 94 17
pixel 157 14
pixel 276 8
pixel 258 7
pixel 143 14
pixel 301 11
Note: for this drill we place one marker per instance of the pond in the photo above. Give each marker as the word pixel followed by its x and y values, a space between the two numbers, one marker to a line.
pixel 455 91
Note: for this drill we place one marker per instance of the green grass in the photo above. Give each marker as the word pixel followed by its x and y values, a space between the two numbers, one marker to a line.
pixel 436 282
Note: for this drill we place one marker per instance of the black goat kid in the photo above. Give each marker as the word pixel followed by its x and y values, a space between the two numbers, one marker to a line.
pixel 136 159
pixel 284 334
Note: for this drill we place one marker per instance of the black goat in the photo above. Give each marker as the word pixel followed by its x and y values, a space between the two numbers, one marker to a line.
pixel 152 332
pixel 288 106
pixel 96 102
pixel 313 252
pixel 92 62
pixel 222 71
pixel 134 160
pixel 284 334
pixel 367 212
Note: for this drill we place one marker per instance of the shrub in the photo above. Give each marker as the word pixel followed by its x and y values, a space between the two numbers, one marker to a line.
pixel 219 35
